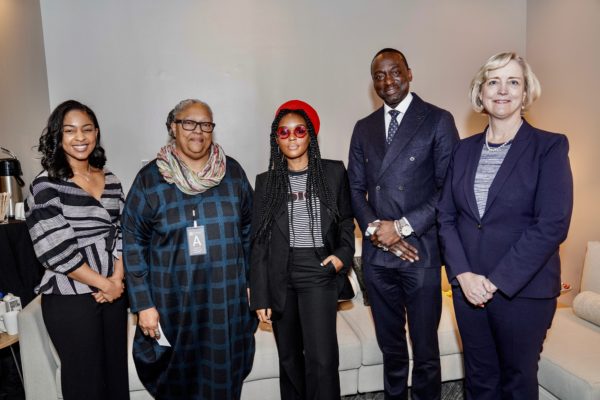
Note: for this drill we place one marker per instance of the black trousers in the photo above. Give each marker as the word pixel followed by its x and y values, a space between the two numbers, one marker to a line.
pixel 306 332
pixel 91 342
pixel 398 294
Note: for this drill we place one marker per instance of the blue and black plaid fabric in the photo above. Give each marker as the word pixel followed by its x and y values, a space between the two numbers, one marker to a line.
pixel 202 300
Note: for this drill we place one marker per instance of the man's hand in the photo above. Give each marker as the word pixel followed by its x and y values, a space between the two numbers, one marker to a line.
pixel 386 233
pixel 405 251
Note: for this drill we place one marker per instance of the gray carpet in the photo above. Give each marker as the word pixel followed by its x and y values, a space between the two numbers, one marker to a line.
pixel 452 390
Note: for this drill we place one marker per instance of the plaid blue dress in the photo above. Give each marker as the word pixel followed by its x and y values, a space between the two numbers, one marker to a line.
pixel 202 299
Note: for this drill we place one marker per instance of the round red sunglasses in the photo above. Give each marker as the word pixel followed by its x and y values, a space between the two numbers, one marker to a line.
pixel 283 132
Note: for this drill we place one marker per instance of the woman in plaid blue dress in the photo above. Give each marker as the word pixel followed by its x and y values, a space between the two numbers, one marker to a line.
pixel 186 231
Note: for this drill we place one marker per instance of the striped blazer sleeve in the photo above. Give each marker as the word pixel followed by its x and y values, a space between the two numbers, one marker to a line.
pixel 53 238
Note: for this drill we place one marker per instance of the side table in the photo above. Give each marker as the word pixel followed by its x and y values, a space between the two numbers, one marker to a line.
pixel 7 340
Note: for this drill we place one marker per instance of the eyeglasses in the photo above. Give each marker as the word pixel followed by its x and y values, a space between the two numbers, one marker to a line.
pixel 189 125
pixel 283 132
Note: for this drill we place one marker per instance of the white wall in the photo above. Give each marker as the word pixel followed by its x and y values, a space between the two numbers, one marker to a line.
pixel 563 48
pixel 24 103
pixel 132 61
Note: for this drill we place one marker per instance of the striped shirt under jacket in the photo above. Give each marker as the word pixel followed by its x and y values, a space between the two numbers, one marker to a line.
pixel 69 227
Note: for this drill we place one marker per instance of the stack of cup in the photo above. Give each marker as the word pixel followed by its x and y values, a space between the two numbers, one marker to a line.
pixel 4 202
pixel 20 211
pixel 10 322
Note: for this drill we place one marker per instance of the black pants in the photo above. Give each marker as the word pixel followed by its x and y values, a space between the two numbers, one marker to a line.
pixel 306 332
pixel 91 342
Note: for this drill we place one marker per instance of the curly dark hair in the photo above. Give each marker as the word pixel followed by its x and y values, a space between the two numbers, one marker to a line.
pixel 54 159
pixel 278 186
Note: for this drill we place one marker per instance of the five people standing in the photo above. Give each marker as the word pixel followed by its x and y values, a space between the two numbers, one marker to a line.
pixel 199 254
pixel 398 160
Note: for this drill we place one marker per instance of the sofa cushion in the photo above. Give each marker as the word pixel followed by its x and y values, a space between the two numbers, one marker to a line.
pixel 590 277
pixel 587 306
pixel 569 365
pixel 266 361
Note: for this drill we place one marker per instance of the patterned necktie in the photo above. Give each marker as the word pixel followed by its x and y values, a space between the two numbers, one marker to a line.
pixel 393 128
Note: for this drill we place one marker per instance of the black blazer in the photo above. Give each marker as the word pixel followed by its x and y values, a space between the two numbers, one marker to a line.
pixel 269 259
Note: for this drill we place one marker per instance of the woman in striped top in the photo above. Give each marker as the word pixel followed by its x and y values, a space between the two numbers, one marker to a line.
pixel 73 216
pixel 303 244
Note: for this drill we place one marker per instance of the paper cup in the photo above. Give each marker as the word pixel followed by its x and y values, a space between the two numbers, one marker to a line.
pixel 20 211
pixel 10 322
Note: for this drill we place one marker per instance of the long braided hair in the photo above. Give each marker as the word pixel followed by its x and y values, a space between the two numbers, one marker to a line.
pixel 278 188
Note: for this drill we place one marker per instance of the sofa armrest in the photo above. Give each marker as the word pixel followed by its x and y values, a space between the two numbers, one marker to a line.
pixel 39 366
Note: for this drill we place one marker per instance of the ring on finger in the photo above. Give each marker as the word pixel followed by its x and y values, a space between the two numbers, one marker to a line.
pixel 145 332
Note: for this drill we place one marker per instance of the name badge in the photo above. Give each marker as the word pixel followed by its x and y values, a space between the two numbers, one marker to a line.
pixel 196 240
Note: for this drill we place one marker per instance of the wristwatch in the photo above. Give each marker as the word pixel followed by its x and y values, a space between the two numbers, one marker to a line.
pixel 403 228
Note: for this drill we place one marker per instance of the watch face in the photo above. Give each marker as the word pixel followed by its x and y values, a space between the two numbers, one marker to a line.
pixel 406 231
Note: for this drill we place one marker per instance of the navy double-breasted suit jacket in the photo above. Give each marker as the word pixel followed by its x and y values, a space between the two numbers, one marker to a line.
pixel 527 214
pixel 403 179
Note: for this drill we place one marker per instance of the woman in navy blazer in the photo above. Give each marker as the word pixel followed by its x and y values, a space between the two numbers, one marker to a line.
pixel 504 210
pixel 301 251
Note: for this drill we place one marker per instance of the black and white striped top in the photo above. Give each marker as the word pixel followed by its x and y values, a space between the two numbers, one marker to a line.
pixel 69 227
pixel 299 220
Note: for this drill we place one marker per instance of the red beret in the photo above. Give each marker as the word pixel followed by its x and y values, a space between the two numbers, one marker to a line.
pixel 300 105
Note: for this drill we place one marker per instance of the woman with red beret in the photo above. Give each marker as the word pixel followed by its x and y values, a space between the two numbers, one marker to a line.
pixel 302 247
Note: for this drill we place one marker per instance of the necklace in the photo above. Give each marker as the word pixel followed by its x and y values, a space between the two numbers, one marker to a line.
pixel 498 148
pixel 84 176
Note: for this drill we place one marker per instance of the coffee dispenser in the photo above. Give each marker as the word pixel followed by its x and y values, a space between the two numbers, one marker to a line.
pixel 10 180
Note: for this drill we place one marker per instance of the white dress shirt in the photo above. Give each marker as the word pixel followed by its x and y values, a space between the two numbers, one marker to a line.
pixel 402 107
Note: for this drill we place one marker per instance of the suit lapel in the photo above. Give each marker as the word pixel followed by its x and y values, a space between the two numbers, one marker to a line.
pixel 326 219
pixel 378 138
pixel 471 168
pixel 518 146
pixel 412 120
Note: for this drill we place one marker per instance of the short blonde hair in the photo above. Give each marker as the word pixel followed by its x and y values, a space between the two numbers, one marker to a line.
pixel 533 89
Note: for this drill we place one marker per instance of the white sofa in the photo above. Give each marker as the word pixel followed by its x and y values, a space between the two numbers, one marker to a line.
pixel 361 368
pixel 569 367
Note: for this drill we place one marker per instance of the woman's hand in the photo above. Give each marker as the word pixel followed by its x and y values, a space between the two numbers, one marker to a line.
pixel 264 315
pixel 148 322
pixel 112 289
pixel 474 288
pixel 337 263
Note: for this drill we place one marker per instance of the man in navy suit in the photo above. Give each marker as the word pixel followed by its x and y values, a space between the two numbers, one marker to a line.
pixel 397 164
